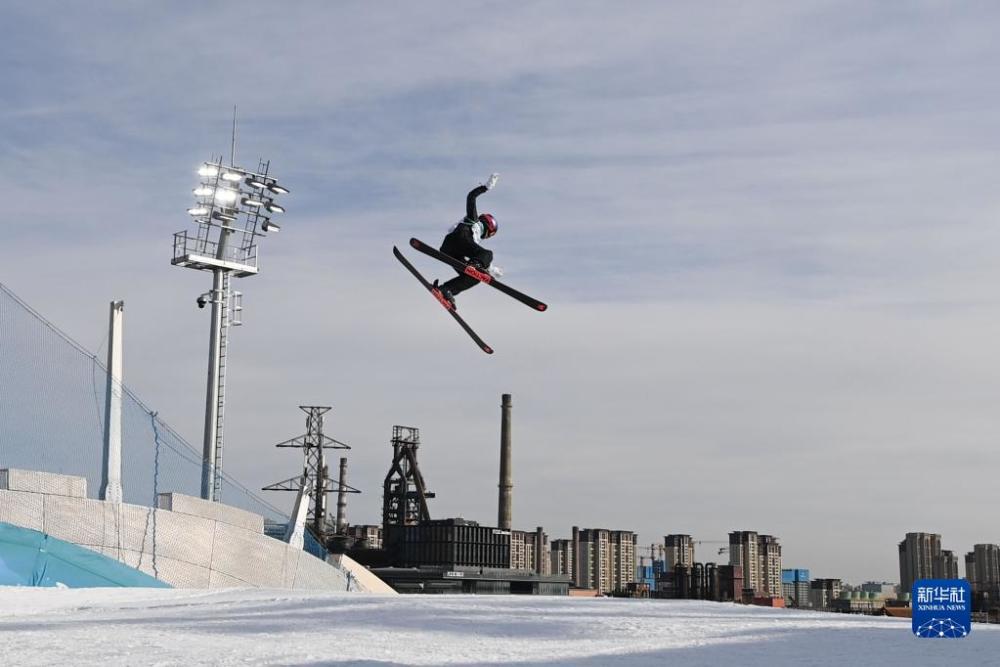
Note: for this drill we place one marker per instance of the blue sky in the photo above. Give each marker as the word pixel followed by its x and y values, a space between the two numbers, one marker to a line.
pixel 766 232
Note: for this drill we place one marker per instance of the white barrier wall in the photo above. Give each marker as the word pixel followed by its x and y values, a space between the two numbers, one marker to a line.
pixel 361 578
pixel 35 481
pixel 186 542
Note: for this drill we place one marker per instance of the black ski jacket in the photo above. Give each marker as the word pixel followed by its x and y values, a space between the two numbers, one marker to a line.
pixel 471 214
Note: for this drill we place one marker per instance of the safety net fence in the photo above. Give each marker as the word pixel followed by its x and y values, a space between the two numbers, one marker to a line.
pixel 52 403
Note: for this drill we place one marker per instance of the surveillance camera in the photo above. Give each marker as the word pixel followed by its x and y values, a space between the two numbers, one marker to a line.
pixel 201 301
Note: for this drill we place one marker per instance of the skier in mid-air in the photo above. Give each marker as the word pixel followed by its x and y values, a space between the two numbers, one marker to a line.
pixel 474 264
pixel 462 243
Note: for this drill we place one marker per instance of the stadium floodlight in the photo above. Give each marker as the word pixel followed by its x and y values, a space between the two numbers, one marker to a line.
pixel 277 189
pixel 225 196
pixel 231 209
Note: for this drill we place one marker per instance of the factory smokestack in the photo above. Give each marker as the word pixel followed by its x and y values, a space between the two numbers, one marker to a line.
pixel 506 482
pixel 342 499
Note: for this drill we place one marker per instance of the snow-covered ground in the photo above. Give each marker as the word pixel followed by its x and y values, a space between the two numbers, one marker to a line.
pixel 233 627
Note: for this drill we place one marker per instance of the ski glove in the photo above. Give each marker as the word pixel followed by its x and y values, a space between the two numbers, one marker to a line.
pixel 492 181
pixel 496 271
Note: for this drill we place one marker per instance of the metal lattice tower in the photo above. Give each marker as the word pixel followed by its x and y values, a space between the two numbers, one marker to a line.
pixel 404 499
pixel 315 470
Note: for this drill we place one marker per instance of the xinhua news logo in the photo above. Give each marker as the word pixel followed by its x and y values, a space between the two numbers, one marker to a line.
pixel 942 608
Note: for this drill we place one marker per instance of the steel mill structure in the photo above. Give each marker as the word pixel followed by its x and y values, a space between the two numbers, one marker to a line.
pixel 452 555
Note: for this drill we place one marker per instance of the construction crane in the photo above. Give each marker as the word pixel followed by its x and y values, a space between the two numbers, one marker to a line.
pixel 722 550
pixel 657 547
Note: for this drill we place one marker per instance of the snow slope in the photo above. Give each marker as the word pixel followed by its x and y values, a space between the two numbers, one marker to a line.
pixel 239 626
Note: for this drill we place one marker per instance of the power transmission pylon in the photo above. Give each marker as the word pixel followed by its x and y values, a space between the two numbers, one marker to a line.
pixel 313 442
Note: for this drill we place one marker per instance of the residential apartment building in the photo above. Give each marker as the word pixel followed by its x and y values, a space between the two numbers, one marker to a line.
pixel 795 587
pixel 917 553
pixel 529 551
pixel 678 550
pixel 543 563
pixel 743 551
pixel 946 566
pixel 985 575
pixel 562 558
pixel 624 556
pixel 823 592
pixel 605 559
pixel 760 558
pixel 770 565
pixel 519 559
pixel 921 557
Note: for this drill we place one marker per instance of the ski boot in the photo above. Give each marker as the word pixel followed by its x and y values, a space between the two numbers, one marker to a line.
pixel 444 295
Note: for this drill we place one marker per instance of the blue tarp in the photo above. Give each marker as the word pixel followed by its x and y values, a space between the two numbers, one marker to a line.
pixel 31 558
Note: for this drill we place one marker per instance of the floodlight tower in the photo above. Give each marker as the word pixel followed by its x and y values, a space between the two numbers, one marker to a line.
pixel 233 208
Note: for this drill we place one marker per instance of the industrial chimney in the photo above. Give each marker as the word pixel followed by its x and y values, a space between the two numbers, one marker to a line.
pixel 506 482
pixel 342 498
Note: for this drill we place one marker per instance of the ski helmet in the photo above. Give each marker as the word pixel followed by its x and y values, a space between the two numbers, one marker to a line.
pixel 489 225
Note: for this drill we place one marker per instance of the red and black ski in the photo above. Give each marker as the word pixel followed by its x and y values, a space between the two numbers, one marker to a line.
pixel 481 276
pixel 443 301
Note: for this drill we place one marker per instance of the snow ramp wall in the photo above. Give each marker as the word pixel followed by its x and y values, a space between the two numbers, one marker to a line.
pixel 185 542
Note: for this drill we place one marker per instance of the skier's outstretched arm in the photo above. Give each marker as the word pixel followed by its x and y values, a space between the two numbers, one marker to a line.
pixel 470 201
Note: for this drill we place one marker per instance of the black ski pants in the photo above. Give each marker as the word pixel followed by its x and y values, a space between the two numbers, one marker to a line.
pixel 460 245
